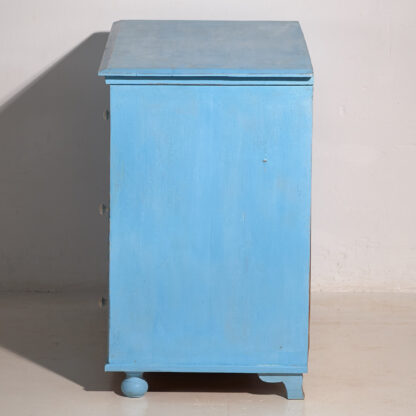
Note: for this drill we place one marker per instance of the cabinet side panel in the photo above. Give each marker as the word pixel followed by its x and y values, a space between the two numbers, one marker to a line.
pixel 210 227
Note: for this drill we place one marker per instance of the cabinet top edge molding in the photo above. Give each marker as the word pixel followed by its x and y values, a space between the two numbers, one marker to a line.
pixel 202 48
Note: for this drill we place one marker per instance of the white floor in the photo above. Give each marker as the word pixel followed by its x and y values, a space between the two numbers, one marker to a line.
pixel 362 362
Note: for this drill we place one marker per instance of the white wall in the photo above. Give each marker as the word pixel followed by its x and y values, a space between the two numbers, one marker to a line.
pixel 364 151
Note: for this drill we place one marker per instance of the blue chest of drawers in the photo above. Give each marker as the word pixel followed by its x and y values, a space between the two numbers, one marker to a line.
pixel 210 190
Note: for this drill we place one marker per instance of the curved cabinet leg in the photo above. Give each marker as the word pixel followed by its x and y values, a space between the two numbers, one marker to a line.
pixel 134 385
pixel 292 382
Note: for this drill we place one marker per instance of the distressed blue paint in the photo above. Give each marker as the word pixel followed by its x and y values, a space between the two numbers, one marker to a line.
pixel 206 238
pixel 210 225
pixel 214 48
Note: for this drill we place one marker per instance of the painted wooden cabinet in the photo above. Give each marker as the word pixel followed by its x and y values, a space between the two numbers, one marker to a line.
pixel 211 126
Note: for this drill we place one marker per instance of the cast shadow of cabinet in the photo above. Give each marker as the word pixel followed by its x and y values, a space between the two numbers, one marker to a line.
pixel 54 175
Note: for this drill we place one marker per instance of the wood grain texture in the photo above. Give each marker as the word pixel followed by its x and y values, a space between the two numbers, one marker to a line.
pixel 210 223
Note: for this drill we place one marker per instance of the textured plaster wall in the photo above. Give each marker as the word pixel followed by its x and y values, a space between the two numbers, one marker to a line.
pixel 54 142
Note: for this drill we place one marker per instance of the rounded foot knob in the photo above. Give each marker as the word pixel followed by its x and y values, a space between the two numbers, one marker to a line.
pixel 134 385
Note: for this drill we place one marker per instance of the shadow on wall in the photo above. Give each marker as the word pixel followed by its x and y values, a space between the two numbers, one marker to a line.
pixel 54 174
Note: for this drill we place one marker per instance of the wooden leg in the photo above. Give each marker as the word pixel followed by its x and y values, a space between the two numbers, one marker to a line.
pixel 292 382
pixel 134 385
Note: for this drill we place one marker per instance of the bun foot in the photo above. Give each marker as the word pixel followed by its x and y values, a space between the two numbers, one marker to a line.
pixel 134 385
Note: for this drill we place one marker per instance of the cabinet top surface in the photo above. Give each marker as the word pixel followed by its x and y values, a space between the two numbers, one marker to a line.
pixel 137 48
